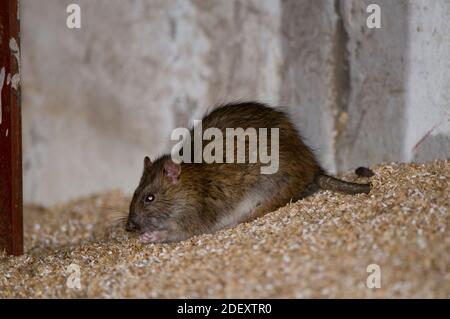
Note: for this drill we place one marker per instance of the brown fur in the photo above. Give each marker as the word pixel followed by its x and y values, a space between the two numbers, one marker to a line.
pixel 204 194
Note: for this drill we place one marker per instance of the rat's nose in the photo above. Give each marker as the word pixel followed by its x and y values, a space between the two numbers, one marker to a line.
pixel 132 226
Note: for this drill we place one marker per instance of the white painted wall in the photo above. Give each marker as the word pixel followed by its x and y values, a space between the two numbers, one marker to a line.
pixel 96 100
pixel 428 82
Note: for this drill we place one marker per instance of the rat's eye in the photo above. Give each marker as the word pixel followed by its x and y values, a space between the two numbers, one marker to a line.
pixel 149 198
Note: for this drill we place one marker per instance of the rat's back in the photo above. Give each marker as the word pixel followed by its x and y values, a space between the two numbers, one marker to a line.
pixel 252 161
pixel 283 171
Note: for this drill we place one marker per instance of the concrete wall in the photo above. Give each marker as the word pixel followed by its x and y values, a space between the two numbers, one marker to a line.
pixel 96 100
pixel 427 134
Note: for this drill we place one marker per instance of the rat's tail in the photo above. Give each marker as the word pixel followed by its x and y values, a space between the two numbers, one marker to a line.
pixel 333 184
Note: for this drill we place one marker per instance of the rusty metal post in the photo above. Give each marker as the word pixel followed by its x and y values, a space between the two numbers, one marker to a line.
pixel 11 224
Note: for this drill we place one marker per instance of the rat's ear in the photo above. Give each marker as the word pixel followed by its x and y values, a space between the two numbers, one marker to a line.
pixel 147 162
pixel 172 170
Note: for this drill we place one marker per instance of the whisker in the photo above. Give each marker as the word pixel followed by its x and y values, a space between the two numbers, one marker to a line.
pixel 118 213
pixel 118 217
pixel 115 222
pixel 115 216
pixel 108 207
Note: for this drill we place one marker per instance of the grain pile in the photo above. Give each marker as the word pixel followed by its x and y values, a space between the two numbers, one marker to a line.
pixel 318 247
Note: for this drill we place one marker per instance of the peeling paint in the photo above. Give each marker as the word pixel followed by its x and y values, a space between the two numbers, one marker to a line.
pixel 7 131
pixel 15 80
pixel 2 80
pixel 8 79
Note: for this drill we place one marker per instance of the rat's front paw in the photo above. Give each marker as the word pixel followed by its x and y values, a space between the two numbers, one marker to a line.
pixel 157 236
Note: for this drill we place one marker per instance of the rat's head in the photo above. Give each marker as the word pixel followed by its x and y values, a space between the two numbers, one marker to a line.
pixel 152 211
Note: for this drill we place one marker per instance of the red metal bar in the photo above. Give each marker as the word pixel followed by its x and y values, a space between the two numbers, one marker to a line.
pixel 11 224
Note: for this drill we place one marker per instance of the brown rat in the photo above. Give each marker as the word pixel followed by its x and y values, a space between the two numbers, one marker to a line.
pixel 176 201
